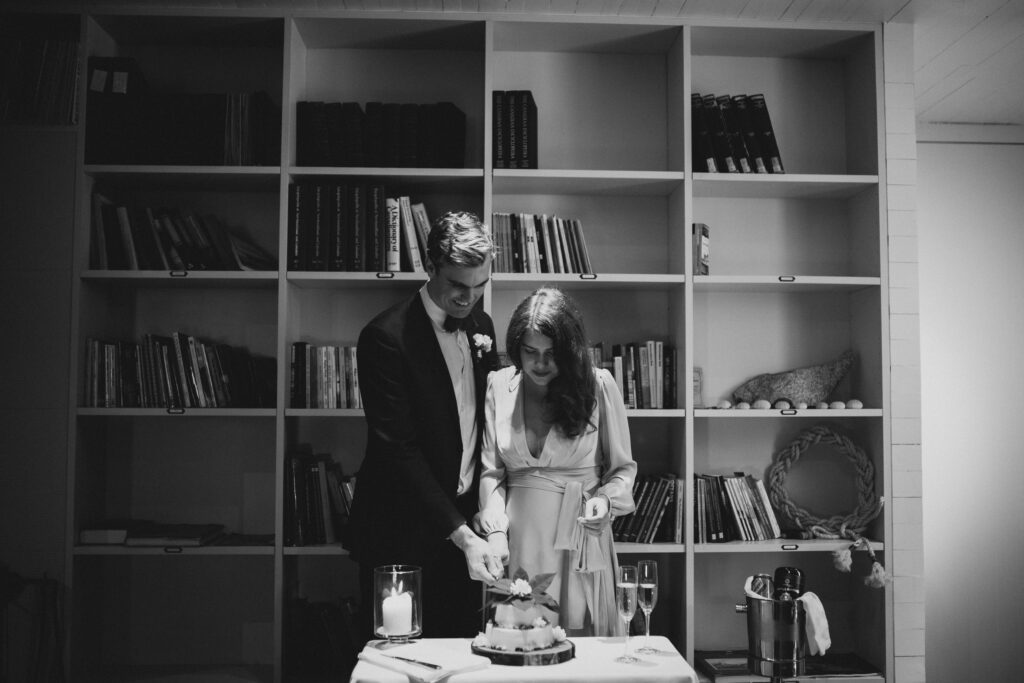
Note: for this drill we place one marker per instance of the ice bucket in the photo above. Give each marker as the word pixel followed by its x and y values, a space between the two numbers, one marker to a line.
pixel 776 639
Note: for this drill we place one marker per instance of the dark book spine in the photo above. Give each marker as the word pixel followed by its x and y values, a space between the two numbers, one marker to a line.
pixel 295 220
pixel 703 159
pixel 318 235
pixel 499 130
pixel 733 134
pixel 763 126
pixel 337 239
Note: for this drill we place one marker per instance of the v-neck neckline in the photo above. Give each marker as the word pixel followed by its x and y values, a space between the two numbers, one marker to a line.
pixel 521 408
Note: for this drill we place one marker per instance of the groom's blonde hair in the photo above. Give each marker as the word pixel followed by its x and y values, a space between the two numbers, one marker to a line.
pixel 459 238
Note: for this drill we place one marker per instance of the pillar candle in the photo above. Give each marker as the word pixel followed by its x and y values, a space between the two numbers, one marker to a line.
pixel 396 613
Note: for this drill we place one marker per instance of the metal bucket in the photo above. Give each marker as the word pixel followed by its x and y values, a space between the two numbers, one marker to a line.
pixel 776 639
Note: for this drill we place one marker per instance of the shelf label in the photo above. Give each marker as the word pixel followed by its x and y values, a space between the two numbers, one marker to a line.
pixel 787 278
pixel 385 276
pixel 588 276
pixel 178 273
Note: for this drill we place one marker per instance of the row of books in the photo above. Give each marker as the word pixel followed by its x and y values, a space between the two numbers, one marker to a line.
pixel 127 237
pixel 196 129
pixel 659 514
pixel 645 372
pixel 385 134
pixel 733 134
pixel 38 77
pixel 176 371
pixel 733 508
pixel 514 129
pixel 318 498
pixel 324 376
pixel 539 243
pixel 355 227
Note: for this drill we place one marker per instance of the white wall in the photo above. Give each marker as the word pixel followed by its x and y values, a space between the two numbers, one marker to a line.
pixel 971 248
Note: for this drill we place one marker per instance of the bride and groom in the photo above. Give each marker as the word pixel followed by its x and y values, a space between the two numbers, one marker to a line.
pixel 469 467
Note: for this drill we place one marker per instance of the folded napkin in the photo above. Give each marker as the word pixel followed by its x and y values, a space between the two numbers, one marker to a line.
pixel 750 591
pixel 452 661
pixel 816 627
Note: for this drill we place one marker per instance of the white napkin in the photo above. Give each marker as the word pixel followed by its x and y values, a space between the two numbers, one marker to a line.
pixel 816 627
pixel 750 592
pixel 452 661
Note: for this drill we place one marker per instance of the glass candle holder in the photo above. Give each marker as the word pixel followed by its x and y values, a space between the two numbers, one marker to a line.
pixel 398 602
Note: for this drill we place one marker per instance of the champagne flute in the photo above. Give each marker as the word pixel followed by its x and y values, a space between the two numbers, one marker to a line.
pixel 647 597
pixel 625 599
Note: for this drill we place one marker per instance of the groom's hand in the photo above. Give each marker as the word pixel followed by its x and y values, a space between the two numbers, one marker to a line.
pixel 480 561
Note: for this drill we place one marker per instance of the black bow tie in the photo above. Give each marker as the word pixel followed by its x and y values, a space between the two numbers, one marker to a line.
pixel 453 324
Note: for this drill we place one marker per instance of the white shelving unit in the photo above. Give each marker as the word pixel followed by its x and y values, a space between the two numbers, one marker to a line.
pixel 798 275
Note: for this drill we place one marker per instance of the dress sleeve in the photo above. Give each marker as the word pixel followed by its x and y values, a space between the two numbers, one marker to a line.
pixel 619 466
pixel 492 471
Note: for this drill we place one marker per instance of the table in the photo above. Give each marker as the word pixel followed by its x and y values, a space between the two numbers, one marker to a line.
pixel 594 663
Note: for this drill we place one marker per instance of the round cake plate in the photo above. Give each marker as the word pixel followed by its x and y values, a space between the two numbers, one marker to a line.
pixel 556 654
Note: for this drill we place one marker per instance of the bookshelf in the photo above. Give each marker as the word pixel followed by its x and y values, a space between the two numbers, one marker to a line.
pixel 798 275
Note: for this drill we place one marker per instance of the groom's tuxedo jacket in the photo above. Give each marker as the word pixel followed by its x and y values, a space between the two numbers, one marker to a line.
pixel 405 500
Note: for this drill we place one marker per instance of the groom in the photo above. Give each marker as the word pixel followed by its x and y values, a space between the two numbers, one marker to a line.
pixel 423 367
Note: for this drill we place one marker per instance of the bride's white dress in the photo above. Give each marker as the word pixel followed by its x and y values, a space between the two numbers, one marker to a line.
pixel 538 499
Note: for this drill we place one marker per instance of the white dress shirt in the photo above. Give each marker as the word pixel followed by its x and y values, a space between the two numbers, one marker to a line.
pixel 457 354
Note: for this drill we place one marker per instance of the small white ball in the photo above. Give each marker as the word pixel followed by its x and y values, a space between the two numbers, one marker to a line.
pixel 801 405
pixel 724 404
pixel 742 405
pixel 837 405
pixel 761 404
pixel 854 404
pixel 782 404
pixel 821 405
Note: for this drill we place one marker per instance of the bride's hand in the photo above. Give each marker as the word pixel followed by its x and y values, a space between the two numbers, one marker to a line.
pixel 596 513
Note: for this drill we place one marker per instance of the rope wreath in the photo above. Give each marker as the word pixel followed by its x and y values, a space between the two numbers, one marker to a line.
pixel 850 526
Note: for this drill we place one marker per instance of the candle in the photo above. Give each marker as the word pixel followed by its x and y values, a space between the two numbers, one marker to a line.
pixel 396 614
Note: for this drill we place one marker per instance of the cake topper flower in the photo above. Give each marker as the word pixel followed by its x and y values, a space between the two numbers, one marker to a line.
pixel 483 344
pixel 520 592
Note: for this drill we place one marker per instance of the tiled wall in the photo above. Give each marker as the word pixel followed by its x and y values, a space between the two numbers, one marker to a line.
pixel 904 551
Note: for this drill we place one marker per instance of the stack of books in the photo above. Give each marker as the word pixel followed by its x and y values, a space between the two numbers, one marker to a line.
pixel 324 376
pixel 514 129
pixel 659 513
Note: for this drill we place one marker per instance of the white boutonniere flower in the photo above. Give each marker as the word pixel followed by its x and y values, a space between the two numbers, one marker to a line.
pixel 483 344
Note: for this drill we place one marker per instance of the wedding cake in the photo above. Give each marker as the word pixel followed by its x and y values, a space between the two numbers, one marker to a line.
pixel 522 617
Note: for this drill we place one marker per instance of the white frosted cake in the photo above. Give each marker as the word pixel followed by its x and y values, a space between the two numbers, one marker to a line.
pixel 523 618
pixel 512 628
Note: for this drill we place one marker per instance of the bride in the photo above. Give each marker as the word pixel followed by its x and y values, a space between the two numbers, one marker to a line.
pixel 557 463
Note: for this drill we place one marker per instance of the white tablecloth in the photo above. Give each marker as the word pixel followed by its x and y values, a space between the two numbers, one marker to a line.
pixel 594 663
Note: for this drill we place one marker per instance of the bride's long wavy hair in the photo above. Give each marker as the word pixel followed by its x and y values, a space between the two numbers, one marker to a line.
pixel 571 396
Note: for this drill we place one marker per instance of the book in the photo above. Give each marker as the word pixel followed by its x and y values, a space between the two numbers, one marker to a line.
pixel 499 129
pixel 762 123
pixel 703 152
pixel 393 251
pixel 337 234
pixel 719 139
pixel 422 220
pixel 701 249
pixel 176 534
pixel 409 238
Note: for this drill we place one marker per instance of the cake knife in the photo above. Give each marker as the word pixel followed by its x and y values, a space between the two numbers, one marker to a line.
pixel 429 665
